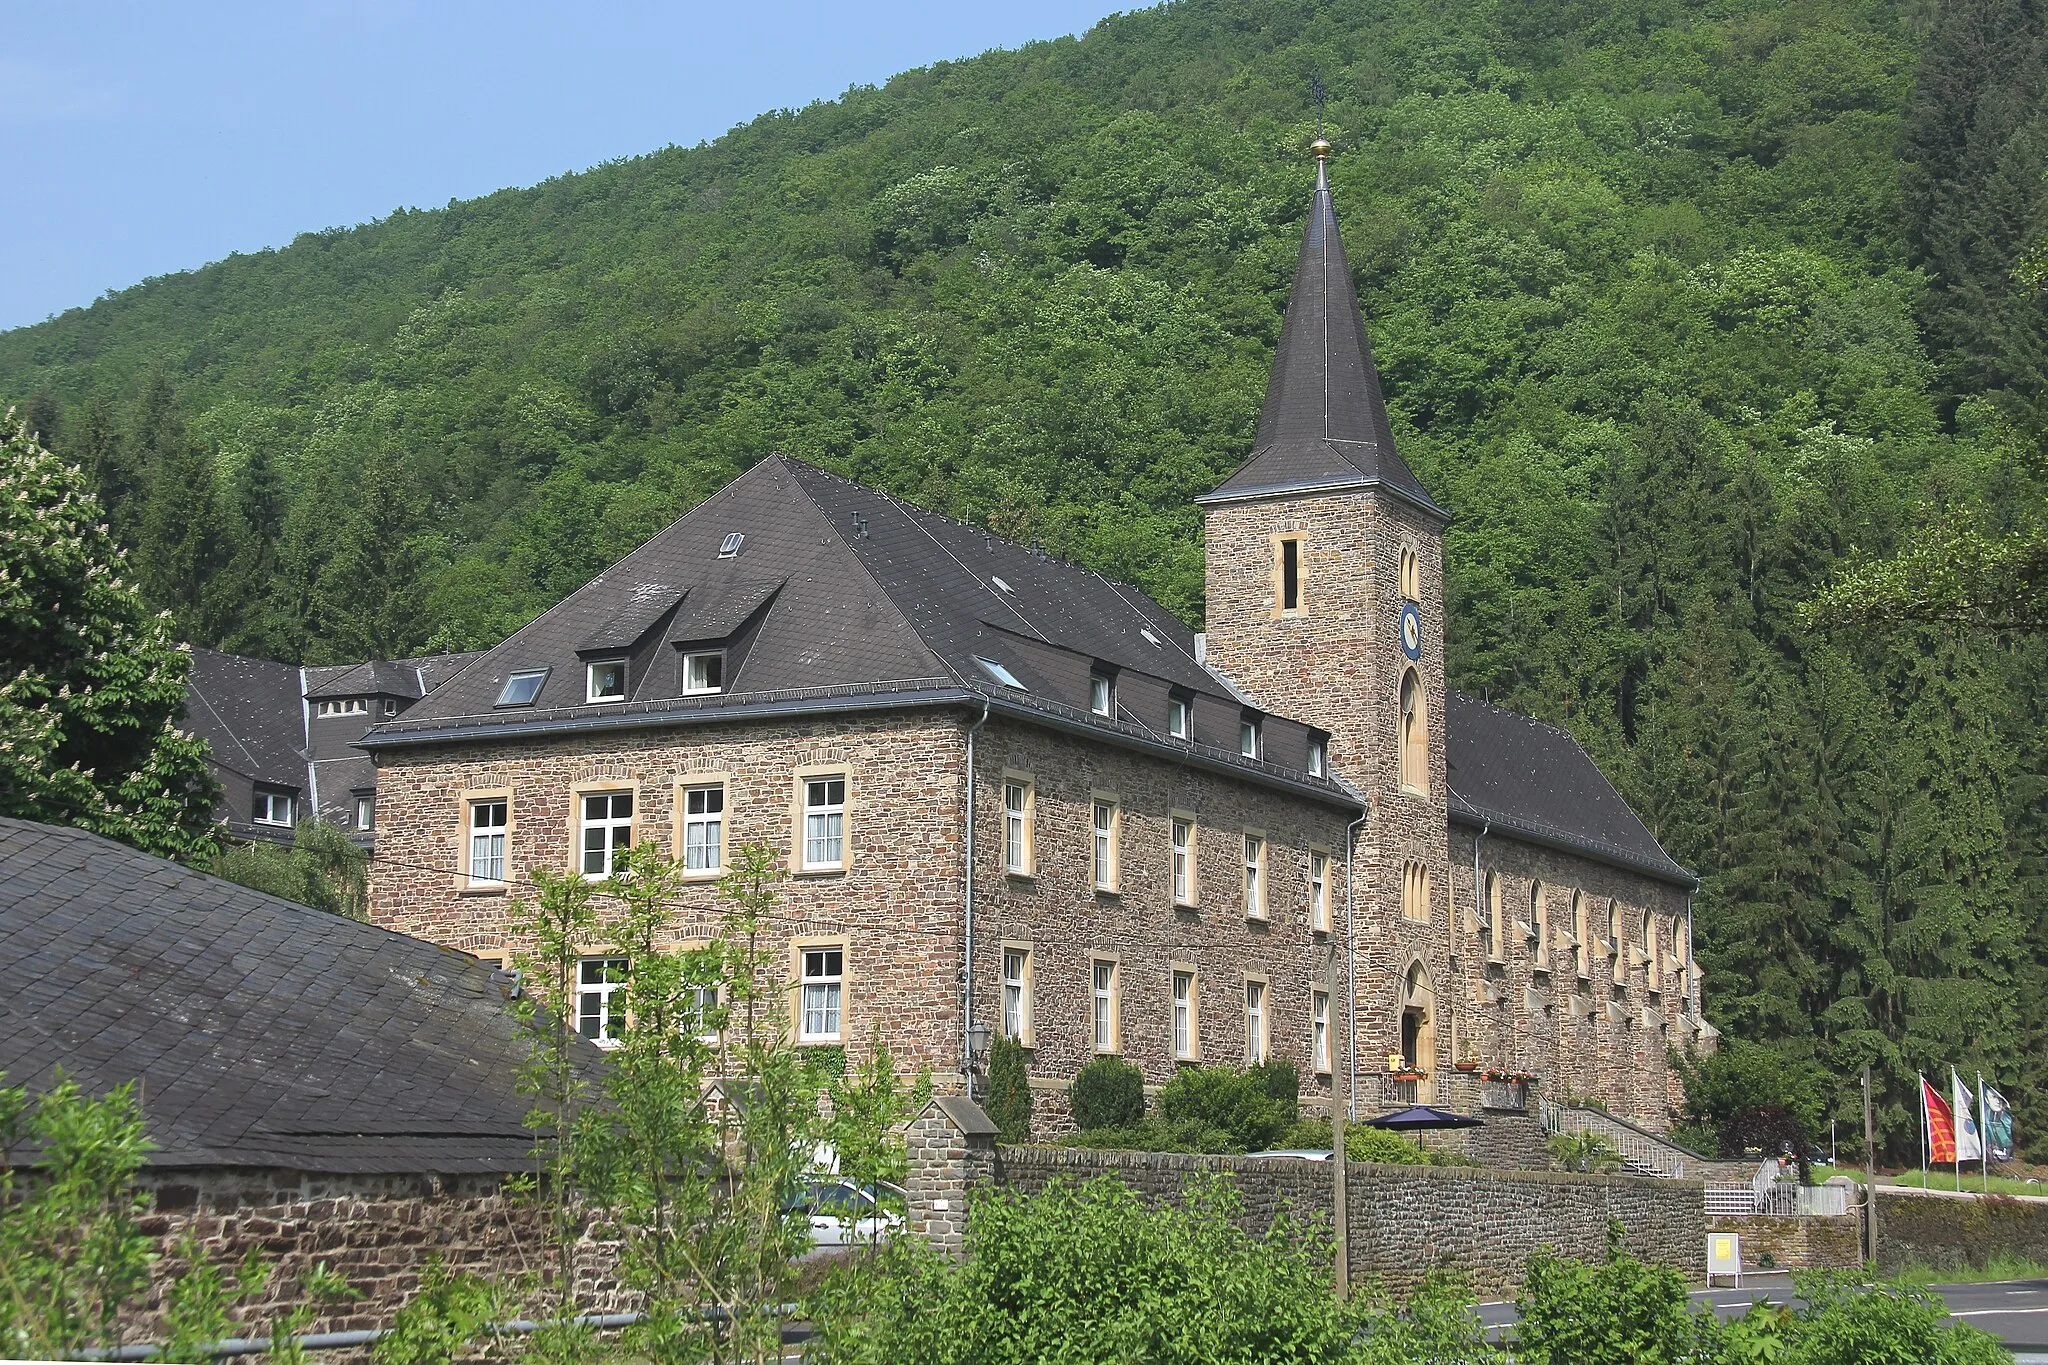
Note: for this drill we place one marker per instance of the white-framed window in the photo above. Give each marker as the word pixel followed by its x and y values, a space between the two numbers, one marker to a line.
pixel 1105 845
pixel 824 822
pixel 274 807
pixel 1319 1031
pixel 704 828
pixel 700 1013
pixel 347 706
pixel 822 994
pixel 1105 1004
pixel 1254 876
pixel 1318 756
pixel 1248 738
pixel 1101 694
pixel 1183 861
pixel 607 831
pixel 487 820
pixel 1185 1039
pixel 1254 1022
pixel 520 689
pixel 1179 717
pixel 605 680
pixel 601 999
pixel 1001 673
pixel 366 810
pixel 1017 826
pixel 1017 993
pixel 1319 891
pixel 704 672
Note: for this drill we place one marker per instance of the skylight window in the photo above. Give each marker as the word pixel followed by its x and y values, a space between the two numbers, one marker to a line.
pixel 1000 583
pixel 1000 673
pixel 730 546
pixel 1154 639
pixel 521 688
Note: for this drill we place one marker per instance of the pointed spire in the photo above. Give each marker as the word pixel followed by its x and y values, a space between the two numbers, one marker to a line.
pixel 1325 424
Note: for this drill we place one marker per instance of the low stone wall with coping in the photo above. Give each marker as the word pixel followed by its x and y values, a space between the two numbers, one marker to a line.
pixel 1945 1231
pixel 1795 1242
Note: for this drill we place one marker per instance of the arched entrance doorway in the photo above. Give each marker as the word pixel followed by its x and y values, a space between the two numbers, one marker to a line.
pixel 1418 1019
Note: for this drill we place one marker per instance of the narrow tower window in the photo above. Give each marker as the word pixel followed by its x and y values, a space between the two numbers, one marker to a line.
pixel 1414 735
pixel 1411 575
pixel 1290 575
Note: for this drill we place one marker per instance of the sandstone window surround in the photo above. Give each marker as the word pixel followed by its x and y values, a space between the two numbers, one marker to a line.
pixel 1186 886
pixel 1020 810
pixel 604 680
pixel 1411 575
pixel 1491 929
pixel 700 1003
pixel 1187 1012
pixel 1319 890
pixel 1581 928
pixel 1319 1031
pixel 1106 846
pixel 700 813
pixel 820 999
pixel 1290 585
pixel 1106 980
pixel 1017 992
pixel 601 999
pixel 1415 892
pixel 1254 874
pixel 483 846
pixel 604 813
pixel 1539 906
pixel 821 805
pixel 1413 736
pixel 1257 1039
pixel 1617 965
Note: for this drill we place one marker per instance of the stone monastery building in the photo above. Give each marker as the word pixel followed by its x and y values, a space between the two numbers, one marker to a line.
pixel 1016 794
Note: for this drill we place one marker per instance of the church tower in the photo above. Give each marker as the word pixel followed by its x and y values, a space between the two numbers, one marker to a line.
pixel 1325 603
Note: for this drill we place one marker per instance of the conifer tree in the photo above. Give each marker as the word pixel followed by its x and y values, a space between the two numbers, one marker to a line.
pixel 91 684
pixel 96 445
pixel 369 593
pixel 178 540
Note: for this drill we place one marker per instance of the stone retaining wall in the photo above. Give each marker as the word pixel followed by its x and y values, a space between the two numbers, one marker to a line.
pixel 1930 1230
pixel 1795 1243
pixel 1406 1220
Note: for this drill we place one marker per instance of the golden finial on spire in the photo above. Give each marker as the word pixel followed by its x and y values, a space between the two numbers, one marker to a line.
pixel 1320 149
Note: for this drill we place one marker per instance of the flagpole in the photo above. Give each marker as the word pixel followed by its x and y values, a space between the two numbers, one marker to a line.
pixel 1983 1132
pixel 1923 1130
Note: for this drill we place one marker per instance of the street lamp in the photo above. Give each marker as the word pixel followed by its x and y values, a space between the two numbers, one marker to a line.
pixel 977 1049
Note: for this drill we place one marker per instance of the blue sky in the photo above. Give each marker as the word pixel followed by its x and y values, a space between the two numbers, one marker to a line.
pixel 140 139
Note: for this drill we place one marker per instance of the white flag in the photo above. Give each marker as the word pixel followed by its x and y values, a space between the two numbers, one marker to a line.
pixel 1969 1146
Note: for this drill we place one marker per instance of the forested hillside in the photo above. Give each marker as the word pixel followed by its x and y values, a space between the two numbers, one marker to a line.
pixel 1680 308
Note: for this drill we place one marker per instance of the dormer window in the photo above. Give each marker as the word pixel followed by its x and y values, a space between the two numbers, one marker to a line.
pixel 704 672
pixel 606 680
pixel 346 706
pixel 1248 737
pixel 1180 716
pixel 1318 755
pixel 1101 694
pixel 521 688
pixel 390 706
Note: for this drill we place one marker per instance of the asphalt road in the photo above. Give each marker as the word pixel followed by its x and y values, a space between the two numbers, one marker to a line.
pixel 2014 1311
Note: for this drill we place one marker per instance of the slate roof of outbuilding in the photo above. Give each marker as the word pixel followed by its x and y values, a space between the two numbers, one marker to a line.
pixel 262 1033
pixel 1324 426
pixel 1534 781
pixel 249 713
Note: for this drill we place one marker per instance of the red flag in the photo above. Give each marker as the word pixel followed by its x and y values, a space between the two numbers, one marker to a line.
pixel 1941 1124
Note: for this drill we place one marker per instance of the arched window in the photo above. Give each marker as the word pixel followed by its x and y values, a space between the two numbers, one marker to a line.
pixel 1539 911
pixel 1415 893
pixel 1617 966
pixel 1411 575
pixel 1414 735
pixel 1650 949
pixel 1580 929
pixel 1496 949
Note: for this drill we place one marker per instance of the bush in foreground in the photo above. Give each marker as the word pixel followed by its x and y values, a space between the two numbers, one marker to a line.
pixel 1108 1093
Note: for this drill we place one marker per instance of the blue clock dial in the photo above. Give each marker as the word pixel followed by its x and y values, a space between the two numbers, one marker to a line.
pixel 1411 630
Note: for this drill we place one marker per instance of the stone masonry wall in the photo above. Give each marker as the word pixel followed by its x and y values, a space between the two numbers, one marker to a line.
pixel 946 1168
pixel 1795 1243
pixel 1932 1230
pixel 1406 1220
pixel 376 1232
pixel 1516 1008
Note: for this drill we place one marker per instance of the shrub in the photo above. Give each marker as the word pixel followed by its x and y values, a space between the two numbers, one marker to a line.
pixel 1750 1095
pixel 1108 1093
pixel 1282 1082
pixel 1588 1153
pixel 1009 1090
pixel 1621 1312
pixel 1388 1149
pixel 1235 1103
pixel 1843 1318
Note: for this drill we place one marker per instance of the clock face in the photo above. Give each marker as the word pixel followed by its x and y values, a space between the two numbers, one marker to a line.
pixel 1411 630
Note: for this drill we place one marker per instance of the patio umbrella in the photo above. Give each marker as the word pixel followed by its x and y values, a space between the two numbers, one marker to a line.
pixel 1422 1116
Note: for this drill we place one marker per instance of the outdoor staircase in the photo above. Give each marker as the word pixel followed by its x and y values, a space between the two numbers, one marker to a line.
pixel 1642 1152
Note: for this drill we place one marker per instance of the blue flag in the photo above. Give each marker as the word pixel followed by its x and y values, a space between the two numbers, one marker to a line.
pixel 1997 1125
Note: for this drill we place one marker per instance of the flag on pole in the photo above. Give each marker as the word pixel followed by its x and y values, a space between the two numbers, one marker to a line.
pixel 1969 1143
pixel 1941 1124
pixel 1997 1125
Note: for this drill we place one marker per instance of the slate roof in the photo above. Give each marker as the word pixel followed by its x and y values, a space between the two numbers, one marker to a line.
pixel 839 597
pixel 249 713
pixel 1324 425
pixel 262 1033
pixel 1533 781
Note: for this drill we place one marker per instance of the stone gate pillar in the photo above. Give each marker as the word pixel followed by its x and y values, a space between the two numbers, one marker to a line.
pixel 952 1147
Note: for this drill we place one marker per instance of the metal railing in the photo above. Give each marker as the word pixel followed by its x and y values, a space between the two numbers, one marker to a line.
pixel 1504 1095
pixel 1642 1153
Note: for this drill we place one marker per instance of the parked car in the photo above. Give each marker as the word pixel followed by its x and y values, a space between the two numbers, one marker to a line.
pixel 843 1214
pixel 1299 1153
